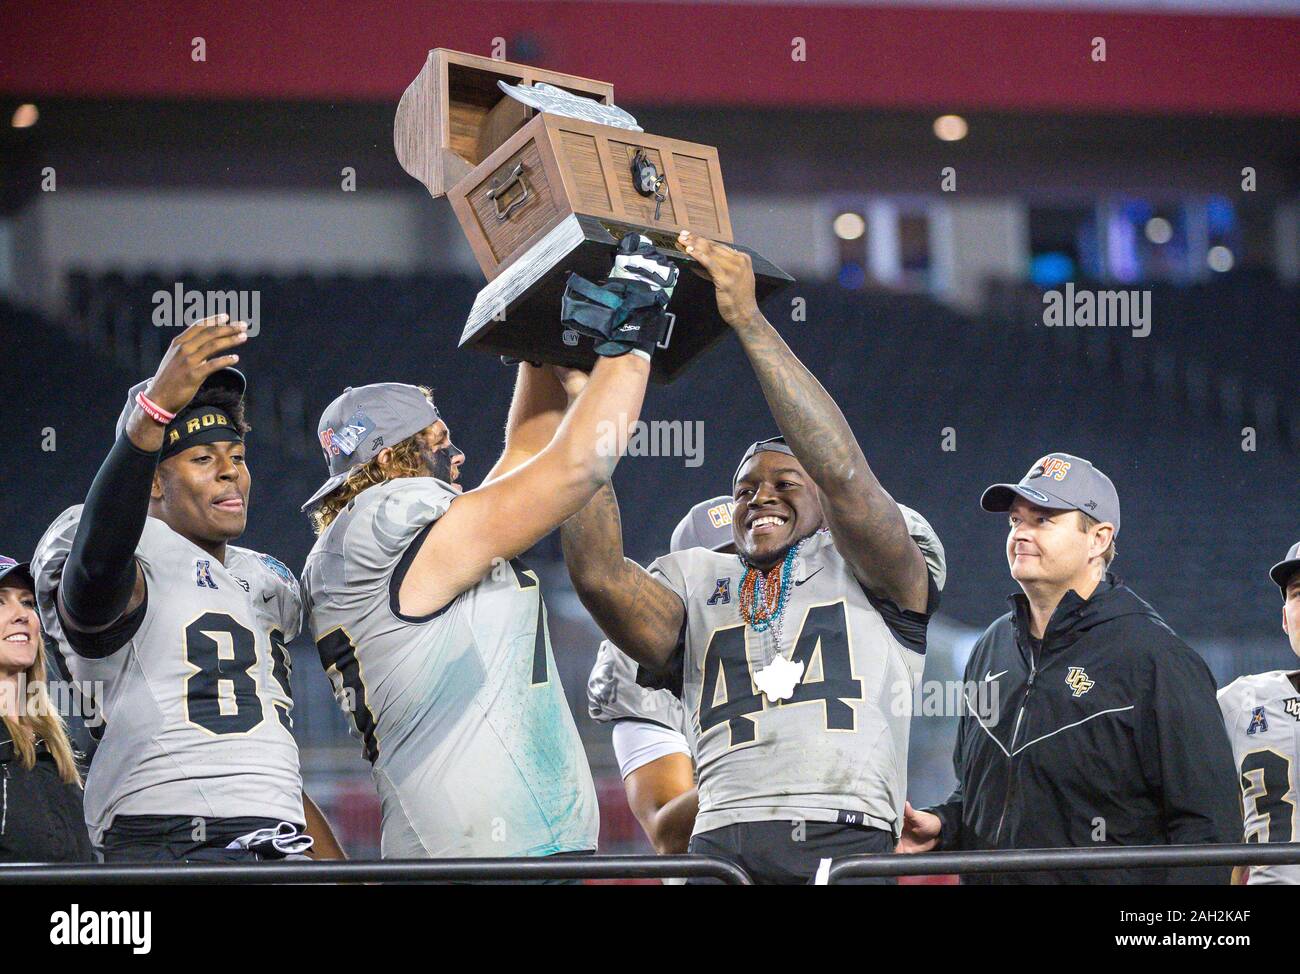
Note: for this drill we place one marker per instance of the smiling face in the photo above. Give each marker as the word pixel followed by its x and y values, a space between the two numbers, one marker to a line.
pixel 202 492
pixel 19 627
pixel 1291 613
pixel 1048 548
pixel 776 506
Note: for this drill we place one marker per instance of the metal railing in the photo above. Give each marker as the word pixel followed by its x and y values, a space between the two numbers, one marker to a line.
pixel 387 871
pixel 1044 860
pixel 644 867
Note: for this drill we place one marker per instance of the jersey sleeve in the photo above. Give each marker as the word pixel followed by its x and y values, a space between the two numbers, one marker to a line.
pixel 47 568
pixel 637 743
pixel 671 570
pixel 378 543
pixel 288 594
pixel 931 547
pixel 613 693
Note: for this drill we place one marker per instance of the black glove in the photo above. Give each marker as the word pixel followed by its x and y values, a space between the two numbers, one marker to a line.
pixel 628 312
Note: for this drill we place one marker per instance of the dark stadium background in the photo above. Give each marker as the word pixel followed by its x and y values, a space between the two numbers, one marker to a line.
pixel 926 325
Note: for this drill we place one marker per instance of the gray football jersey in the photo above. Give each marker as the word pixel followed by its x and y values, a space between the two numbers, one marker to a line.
pixel 461 713
pixel 834 751
pixel 1262 715
pixel 613 693
pixel 196 706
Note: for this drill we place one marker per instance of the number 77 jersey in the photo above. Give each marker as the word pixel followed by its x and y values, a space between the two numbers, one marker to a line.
pixel 834 749
pixel 1262 715
pixel 195 701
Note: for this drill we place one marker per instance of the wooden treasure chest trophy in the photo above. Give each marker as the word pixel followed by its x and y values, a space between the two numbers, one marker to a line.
pixel 546 175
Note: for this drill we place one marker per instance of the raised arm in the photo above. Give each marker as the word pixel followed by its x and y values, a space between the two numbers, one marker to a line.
pixel 101 580
pixel 508 515
pixel 868 527
pixel 535 413
pixel 641 616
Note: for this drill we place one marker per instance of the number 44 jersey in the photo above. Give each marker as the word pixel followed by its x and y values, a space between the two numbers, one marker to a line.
pixel 1262 715
pixel 195 704
pixel 835 748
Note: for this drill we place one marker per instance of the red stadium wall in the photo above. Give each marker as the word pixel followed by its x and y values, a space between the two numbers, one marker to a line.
pixel 668 53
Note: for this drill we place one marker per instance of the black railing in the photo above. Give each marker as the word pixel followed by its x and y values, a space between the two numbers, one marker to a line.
pixel 388 871
pixel 1042 860
pixel 644 867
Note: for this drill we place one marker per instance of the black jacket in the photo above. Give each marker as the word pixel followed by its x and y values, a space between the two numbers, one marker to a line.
pixel 1111 736
pixel 41 817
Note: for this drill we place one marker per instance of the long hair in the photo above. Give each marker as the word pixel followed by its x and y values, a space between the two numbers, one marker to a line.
pixel 37 719
pixel 406 462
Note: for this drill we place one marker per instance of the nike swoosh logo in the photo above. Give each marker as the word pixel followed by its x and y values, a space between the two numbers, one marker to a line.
pixel 802 580
pixel 268 598
pixel 990 675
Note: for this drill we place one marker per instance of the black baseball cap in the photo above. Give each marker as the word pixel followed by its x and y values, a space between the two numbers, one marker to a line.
pixel 226 378
pixel 1060 482
pixel 775 444
pixel 1285 570
pixel 20 570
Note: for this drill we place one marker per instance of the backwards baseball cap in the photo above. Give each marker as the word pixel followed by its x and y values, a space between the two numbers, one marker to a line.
pixel 706 525
pixel 1285 570
pixel 775 444
pixel 362 421
pixel 20 570
pixel 1060 482
pixel 194 425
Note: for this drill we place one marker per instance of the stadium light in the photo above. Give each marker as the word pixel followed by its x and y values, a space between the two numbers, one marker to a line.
pixel 849 226
pixel 25 116
pixel 951 128
pixel 1159 230
pixel 1220 259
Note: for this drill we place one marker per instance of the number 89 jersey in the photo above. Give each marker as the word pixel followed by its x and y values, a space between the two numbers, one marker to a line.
pixel 1262 716
pixel 835 750
pixel 195 705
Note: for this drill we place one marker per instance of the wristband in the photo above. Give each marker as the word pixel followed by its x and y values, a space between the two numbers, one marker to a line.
pixel 153 410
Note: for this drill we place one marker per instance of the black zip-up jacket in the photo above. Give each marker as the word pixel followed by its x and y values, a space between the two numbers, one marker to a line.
pixel 41 816
pixel 1109 735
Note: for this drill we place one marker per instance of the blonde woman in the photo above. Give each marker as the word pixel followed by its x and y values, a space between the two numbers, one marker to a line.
pixel 40 787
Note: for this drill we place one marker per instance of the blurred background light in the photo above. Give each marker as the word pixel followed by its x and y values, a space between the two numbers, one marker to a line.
pixel 1159 230
pixel 1220 259
pixel 25 116
pixel 951 128
pixel 849 226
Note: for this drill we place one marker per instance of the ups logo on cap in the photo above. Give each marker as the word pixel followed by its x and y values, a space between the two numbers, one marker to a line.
pixel 1053 467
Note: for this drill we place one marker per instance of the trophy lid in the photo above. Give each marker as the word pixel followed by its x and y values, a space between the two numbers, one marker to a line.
pixel 454 114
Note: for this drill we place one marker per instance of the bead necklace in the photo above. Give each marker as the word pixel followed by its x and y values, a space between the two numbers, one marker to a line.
pixel 763 595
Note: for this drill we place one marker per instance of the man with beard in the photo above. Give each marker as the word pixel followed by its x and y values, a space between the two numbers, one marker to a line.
pixel 432 630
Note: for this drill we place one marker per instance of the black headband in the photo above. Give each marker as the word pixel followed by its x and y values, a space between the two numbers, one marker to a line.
pixel 198 425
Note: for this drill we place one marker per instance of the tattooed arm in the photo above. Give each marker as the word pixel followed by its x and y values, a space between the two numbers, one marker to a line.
pixel 868 527
pixel 639 615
